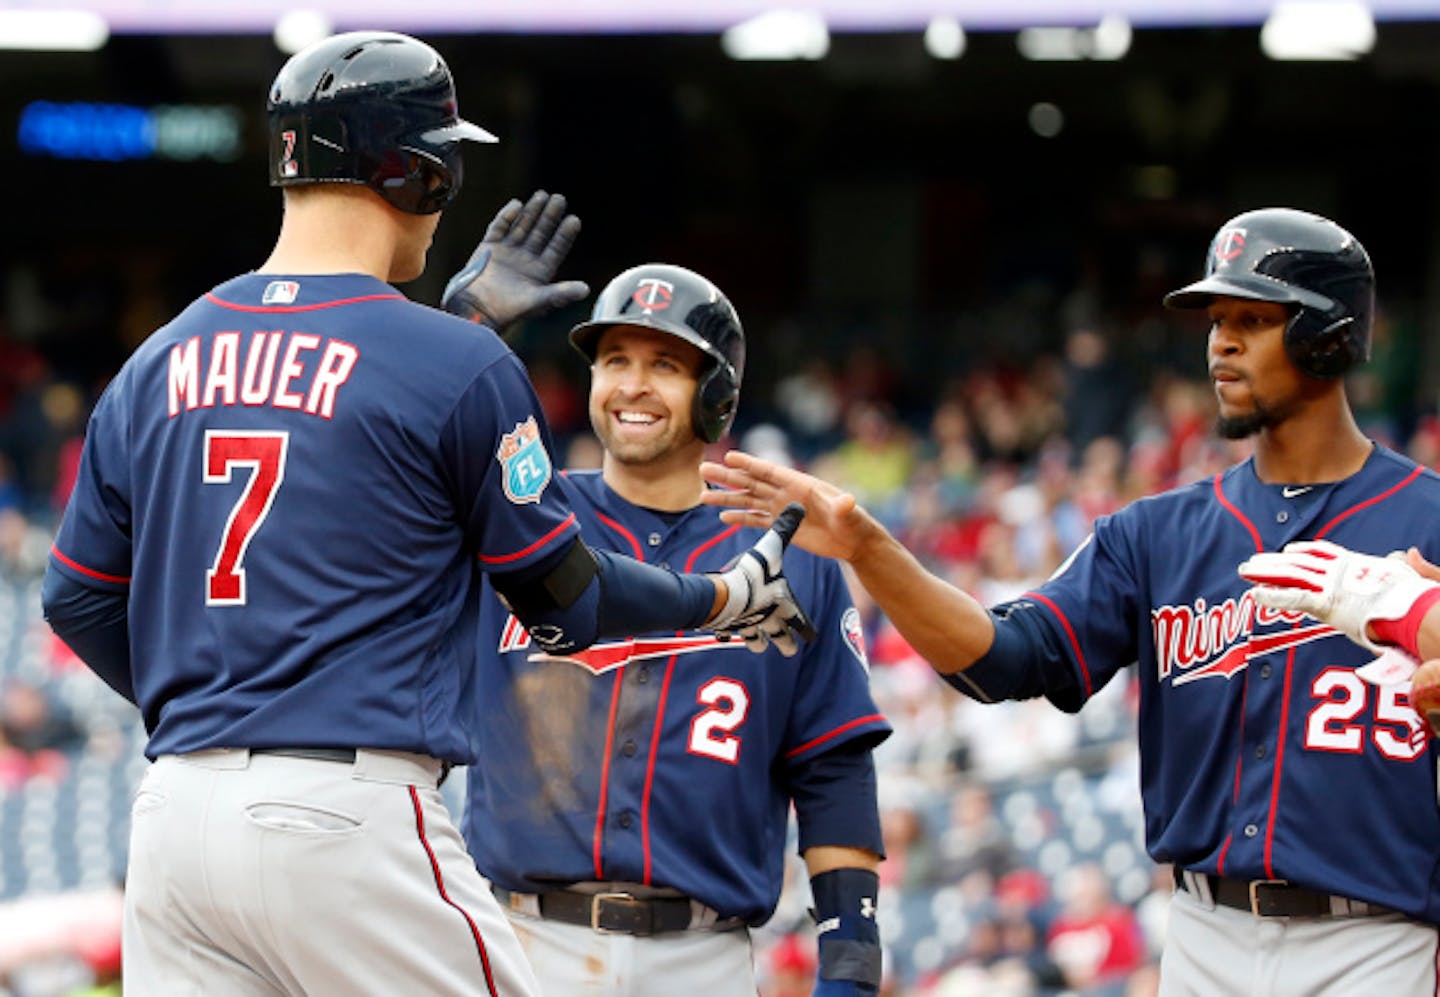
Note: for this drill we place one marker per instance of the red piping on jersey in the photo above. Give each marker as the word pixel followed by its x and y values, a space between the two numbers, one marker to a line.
pixel 834 733
pixel 690 563
pixel 1069 632
pixel 650 765
pixel 87 571
pixel 1230 507
pixel 1239 760
pixel 503 558
pixel 1368 502
pixel 445 896
pixel 634 541
pixel 605 773
pixel 1279 761
pixel 301 308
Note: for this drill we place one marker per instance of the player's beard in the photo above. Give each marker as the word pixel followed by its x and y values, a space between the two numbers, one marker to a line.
pixel 1263 416
pixel 638 452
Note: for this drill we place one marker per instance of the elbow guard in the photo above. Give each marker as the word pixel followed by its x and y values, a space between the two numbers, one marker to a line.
pixel 560 606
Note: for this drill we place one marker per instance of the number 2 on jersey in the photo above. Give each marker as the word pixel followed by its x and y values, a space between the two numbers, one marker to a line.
pixel 710 731
pixel 264 453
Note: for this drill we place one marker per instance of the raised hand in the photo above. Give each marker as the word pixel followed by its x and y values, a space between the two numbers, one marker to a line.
pixel 754 491
pixel 511 274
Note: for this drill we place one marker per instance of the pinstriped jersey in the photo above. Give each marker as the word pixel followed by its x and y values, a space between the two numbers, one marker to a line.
pixel 1263 755
pixel 296 480
pixel 660 759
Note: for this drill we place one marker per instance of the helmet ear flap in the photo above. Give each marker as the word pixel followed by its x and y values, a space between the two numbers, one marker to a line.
pixel 1327 352
pixel 715 398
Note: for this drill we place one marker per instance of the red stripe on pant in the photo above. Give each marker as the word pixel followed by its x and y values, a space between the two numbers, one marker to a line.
pixel 440 885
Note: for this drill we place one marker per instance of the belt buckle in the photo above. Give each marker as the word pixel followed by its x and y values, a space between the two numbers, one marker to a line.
pixel 1255 884
pixel 595 911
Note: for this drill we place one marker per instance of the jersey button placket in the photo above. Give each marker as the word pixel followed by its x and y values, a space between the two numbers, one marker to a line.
pixel 626 819
pixel 629 748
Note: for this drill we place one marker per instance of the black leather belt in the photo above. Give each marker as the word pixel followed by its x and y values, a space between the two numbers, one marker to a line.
pixel 1279 898
pixel 620 913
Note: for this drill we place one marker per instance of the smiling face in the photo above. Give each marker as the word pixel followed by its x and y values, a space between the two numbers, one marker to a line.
pixel 642 391
pixel 1256 382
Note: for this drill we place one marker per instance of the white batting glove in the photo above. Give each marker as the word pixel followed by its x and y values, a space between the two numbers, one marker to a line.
pixel 760 608
pixel 1337 586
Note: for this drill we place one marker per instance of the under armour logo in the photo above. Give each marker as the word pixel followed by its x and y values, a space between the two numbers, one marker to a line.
pixel 867 907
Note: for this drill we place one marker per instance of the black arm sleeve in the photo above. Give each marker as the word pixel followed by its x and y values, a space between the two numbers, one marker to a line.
pixel 96 626
pixel 835 799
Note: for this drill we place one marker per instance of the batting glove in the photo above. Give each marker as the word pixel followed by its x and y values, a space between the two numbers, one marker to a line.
pixel 760 608
pixel 1347 590
pixel 510 274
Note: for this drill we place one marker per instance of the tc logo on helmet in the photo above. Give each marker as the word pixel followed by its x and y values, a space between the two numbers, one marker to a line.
pixel 1229 244
pixel 653 294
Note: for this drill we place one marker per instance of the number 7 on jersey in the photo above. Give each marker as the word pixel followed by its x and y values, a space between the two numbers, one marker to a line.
pixel 264 453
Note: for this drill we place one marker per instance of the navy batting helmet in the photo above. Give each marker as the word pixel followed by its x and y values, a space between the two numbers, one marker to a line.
pixel 1315 267
pixel 374 108
pixel 684 304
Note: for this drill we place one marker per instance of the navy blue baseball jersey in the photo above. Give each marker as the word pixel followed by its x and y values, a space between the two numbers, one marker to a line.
pixel 305 476
pixel 661 759
pixel 1263 754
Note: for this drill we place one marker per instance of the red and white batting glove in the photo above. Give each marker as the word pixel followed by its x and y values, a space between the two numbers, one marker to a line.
pixel 1356 594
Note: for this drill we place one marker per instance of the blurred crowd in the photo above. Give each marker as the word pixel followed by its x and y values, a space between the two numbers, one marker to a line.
pixel 1015 862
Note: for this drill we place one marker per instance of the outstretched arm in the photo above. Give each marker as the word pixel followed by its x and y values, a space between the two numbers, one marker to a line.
pixel 946 626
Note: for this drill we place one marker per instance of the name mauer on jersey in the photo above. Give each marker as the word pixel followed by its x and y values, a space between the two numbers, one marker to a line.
pixel 285 370
pixel 1202 641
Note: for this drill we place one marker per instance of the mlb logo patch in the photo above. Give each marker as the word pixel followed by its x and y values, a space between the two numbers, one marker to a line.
pixel 280 292
pixel 524 464
pixel 854 635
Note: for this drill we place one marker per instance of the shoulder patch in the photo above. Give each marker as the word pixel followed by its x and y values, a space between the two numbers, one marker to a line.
pixel 854 635
pixel 524 464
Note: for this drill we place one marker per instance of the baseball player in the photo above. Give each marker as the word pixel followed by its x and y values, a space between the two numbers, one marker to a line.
pixel 1294 799
pixel 284 503
pixel 633 804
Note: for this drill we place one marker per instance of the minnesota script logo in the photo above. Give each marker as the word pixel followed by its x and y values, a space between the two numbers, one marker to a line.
pixel 603 657
pixel 1200 641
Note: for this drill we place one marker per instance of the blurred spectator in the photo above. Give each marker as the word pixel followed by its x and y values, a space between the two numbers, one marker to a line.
pixel 23 546
pixel 810 401
pixel 1097 389
pixel 877 457
pixel 910 859
pixel 35 735
pixel 1094 940
pixel 46 417
pixel 974 840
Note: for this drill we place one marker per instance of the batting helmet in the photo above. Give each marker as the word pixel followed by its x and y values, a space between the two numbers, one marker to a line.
pixel 374 108
pixel 1305 262
pixel 684 304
